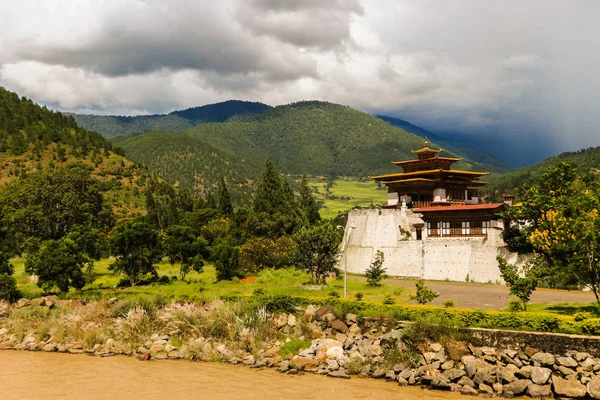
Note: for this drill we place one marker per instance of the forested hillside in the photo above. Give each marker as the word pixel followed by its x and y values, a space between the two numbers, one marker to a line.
pixel 492 163
pixel 110 125
pixel 586 160
pixel 316 138
pixel 33 138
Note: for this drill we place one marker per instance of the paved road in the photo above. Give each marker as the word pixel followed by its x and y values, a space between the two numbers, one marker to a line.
pixel 488 296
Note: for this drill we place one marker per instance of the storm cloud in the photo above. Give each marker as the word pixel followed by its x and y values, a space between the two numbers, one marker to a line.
pixel 521 75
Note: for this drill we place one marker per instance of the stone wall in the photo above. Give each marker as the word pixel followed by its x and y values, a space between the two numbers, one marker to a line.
pixel 392 232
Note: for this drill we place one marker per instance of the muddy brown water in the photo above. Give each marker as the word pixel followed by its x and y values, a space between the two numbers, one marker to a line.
pixel 29 375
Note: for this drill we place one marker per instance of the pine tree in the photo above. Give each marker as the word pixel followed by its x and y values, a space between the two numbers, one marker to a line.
pixel 307 202
pixel 225 206
pixel 269 192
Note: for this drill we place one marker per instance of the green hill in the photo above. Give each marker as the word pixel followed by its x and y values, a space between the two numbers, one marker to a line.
pixel 111 125
pixel 316 138
pixel 586 160
pixel 34 138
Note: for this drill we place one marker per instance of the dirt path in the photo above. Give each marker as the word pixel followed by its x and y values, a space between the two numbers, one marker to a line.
pixel 487 296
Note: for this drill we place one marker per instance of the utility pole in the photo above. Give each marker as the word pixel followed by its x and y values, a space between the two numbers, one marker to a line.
pixel 346 258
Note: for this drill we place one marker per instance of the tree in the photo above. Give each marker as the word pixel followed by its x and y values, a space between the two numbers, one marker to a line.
pixel 308 203
pixel 520 286
pixel 318 249
pixel 560 221
pixel 376 272
pixel 226 258
pixel 183 247
pixel 8 284
pixel 275 211
pixel 225 206
pixel 423 294
pixel 57 263
pixel 89 243
pixel 137 248
pixel 47 204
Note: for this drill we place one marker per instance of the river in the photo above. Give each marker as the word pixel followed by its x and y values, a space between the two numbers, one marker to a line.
pixel 29 375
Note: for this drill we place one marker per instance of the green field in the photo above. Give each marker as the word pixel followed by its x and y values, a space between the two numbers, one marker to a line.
pixel 203 286
pixel 345 194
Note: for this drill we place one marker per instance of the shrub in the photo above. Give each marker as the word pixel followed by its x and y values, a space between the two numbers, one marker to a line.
pixel 334 293
pixel 8 288
pixel 515 306
pixel 259 253
pixel 358 296
pixel 293 347
pixel 449 303
pixel 376 272
pixel 388 300
pixel 423 295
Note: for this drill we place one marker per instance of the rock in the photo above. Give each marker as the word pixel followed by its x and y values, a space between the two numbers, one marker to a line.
pixel 593 388
pixel 303 363
pixel 284 366
pixel 581 356
pixel 488 351
pixel 506 376
pixel 390 375
pixel 351 318
pixel 588 364
pixel 249 360
pixel 335 353
pixel 50 301
pixel 309 314
pixel 378 373
pixel 49 347
pixel 439 382
pixel 332 365
pixel 144 357
pixel 530 351
pixel 338 374
pixel 510 353
pixel 435 347
pixel 454 374
pixel 280 320
pixel 23 303
pixel 568 388
pixel 516 387
pixel 456 351
pixel 466 381
pixel 402 381
pixel 534 390
pixel 339 325
pixel 498 387
pixel 291 320
pixel 565 371
pixel 540 375
pixel 468 390
pixel 156 348
pixel 568 362
pixel 322 311
pixel 405 373
pixel 543 359
pixel 483 388
pixel 448 365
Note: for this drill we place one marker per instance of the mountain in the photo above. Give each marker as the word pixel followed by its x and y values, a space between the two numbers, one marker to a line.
pixel 34 138
pixel 111 125
pixel 317 138
pixel 459 147
pixel 586 160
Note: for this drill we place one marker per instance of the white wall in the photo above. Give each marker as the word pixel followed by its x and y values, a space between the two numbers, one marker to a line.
pixel 434 258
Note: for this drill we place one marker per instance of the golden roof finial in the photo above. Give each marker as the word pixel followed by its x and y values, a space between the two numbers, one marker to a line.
pixel 426 142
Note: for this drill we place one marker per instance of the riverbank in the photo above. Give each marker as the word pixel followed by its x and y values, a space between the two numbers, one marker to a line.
pixel 312 339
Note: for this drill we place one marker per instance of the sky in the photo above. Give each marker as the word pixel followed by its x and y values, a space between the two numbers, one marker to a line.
pixel 516 78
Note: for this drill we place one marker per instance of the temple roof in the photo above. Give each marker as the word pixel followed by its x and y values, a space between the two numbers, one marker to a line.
pixel 443 159
pixel 446 172
pixel 426 151
pixel 462 207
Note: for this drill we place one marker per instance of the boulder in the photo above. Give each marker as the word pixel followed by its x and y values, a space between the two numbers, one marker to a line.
pixel 448 365
pixel 581 356
pixel 568 388
pixel 593 388
pixel 338 374
pixel 466 381
pixel 456 351
pixel 468 390
pixel 530 351
pixel 568 362
pixel 516 387
pixel 280 320
pixel 540 375
pixel 284 366
pixel 310 313
pixel 339 326
pixel 322 311
pixel 524 372
pixel 454 374
pixel 435 347
pixel 335 353
pixel 506 376
pixel 543 391
pixel 483 388
pixel 351 318
pixel 543 359
pixel 291 320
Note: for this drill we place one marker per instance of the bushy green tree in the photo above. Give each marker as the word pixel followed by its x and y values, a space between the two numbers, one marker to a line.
pixel 275 211
pixel 423 294
pixel 225 205
pixel 520 286
pixel 307 203
pixel 376 272
pixel 47 204
pixel 8 284
pixel 184 247
pixel 226 259
pixel 318 248
pixel 136 246
pixel 57 263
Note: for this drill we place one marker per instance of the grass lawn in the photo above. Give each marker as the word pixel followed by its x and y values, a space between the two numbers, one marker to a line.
pixel 203 286
pixel 348 194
